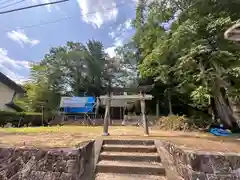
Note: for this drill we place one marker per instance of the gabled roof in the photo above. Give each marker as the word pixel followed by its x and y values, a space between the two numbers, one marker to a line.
pixel 11 84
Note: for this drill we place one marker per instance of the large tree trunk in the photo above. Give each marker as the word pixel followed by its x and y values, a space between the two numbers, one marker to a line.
pixel 236 110
pixel 157 107
pixel 170 104
pixel 223 109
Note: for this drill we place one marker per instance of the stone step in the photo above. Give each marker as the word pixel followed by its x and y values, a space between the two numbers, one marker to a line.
pixel 130 167
pixel 129 148
pixel 129 156
pixel 130 142
pixel 112 176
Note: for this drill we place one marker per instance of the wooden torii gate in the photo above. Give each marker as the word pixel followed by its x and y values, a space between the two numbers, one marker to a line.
pixel 141 96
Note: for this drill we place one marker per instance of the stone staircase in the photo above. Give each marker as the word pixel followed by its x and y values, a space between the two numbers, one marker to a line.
pixel 129 160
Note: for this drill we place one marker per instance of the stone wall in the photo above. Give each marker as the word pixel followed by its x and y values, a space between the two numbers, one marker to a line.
pixel 47 164
pixel 204 165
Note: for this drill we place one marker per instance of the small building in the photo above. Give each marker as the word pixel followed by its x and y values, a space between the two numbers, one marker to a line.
pixel 8 91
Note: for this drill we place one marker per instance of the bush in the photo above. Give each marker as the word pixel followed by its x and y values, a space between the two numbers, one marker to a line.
pixel 172 122
pixel 182 123
pixel 24 118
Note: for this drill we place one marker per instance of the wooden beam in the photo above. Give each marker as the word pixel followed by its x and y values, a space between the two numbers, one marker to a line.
pixel 128 97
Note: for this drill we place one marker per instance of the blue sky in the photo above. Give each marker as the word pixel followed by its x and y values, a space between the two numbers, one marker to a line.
pixel 26 36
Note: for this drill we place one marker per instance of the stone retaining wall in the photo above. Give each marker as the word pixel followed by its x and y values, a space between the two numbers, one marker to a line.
pixel 193 165
pixel 47 164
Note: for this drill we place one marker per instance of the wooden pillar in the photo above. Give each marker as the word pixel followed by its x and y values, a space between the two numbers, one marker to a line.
pixel 143 111
pixel 107 116
pixel 111 111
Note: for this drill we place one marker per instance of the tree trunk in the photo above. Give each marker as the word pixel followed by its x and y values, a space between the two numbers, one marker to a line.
pixel 236 110
pixel 157 108
pixel 170 104
pixel 223 109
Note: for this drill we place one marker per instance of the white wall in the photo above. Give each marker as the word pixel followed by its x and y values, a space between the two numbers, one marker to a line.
pixel 6 95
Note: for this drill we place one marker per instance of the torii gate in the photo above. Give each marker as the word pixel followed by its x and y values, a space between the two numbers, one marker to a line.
pixel 142 97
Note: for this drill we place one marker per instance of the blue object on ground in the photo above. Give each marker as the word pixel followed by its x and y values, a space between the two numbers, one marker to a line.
pixel 219 132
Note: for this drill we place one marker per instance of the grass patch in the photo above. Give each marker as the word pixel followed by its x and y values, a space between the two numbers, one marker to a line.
pixel 53 129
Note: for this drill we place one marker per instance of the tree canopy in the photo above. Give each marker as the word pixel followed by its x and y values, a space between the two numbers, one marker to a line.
pixel 182 45
pixel 71 70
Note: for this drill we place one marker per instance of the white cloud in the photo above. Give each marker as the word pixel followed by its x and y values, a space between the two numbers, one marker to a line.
pixel 20 37
pixel 111 51
pixel 120 32
pixel 97 12
pixel 121 28
pixel 112 34
pixel 118 36
pixel 127 24
pixel 14 69
pixel 118 41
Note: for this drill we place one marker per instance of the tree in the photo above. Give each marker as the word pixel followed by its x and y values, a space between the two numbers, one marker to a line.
pixel 76 68
pixel 191 56
pixel 38 92
pixel 127 55
pixel 70 70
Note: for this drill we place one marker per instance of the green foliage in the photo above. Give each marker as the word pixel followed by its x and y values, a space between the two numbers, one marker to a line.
pixel 127 54
pixel 71 70
pixel 200 97
pixel 191 57
pixel 179 44
pixel 20 119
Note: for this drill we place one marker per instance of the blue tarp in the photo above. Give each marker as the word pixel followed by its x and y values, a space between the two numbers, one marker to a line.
pixel 86 109
pixel 219 132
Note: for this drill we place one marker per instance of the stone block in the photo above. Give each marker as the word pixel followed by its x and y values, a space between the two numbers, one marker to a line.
pixel 71 166
pixel 200 162
pixel 234 161
pixel 65 176
pixel 183 171
pixel 179 156
pixel 188 174
pixel 60 166
pixel 204 165
pixel 81 166
pixel 3 175
pixel 221 164
pixel 198 176
pixel 222 177
pixel 40 164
